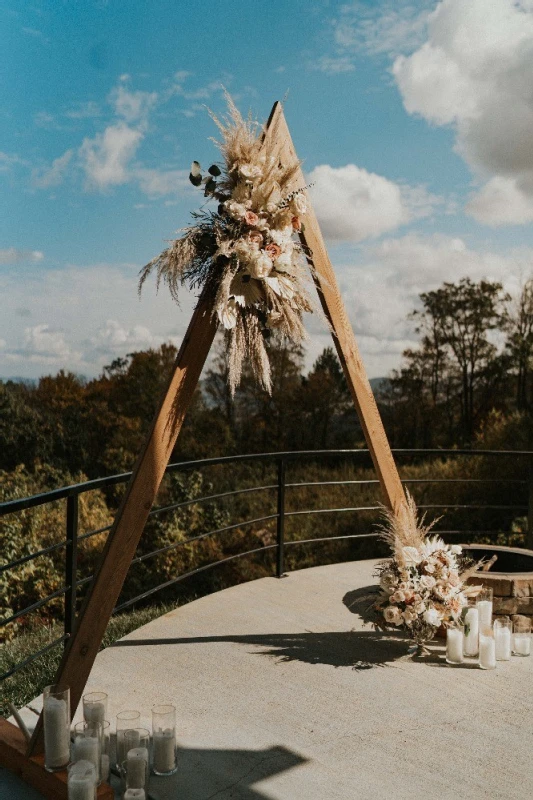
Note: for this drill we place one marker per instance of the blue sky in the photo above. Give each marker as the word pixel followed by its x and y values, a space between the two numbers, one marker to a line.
pixel 413 120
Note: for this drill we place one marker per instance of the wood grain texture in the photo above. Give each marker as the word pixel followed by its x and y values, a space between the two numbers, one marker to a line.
pixel 52 785
pixel 343 335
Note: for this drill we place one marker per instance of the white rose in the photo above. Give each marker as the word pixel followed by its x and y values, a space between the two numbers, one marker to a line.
pixel 398 596
pixel 456 549
pixel 261 266
pixel 282 236
pixel 284 263
pixel 235 210
pixel 250 171
pixel 409 615
pixel 299 203
pixel 393 615
pixel 432 617
pixel 419 607
pixel 428 581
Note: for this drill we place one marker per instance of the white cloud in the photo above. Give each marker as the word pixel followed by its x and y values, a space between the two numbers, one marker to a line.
pixel 154 182
pixel 332 65
pixel 382 28
pixel 383 284
pixel 352 204
pixel 86 110
pixel 474 73
pixel 132 106
pixel 53 175
pixel 97 316
pixel 501 202
pixel 106 157
pixel 14 255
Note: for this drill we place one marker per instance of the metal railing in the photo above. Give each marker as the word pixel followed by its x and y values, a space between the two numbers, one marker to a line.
pixel 71 494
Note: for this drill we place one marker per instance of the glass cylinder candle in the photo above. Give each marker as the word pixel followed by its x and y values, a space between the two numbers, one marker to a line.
pixel 164 740
pixel 454 644
pixel 471 630
pixel 134 794
pixel 522 637
pixel 484 606
pixel 487 647
pixel 95 707
pixel 56 723
pixel 105 743
pixel 86 744
pixel 81 782
pixel 502 638
pixel 125 720
pixel 137 757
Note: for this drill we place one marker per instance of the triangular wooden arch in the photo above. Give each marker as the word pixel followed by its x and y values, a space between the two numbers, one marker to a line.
pixel 129 523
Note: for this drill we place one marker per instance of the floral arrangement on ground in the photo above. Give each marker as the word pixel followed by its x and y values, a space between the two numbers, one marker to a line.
pixel 244 254
pixel 423 586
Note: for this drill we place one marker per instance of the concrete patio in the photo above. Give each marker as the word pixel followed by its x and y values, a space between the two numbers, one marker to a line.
pixel 282 693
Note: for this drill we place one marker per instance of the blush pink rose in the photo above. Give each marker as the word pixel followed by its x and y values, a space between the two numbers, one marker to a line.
pixel 251 218
pixel 273 250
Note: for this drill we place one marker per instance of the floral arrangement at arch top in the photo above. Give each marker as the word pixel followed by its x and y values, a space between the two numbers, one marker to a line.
pixel 245 253
pixel 423 586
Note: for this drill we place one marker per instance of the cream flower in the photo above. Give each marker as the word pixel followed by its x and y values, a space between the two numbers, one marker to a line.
pixel 456 549
pixel 282 236
pixel 228 315
pixel 432 617
pixel 393 615
pixel 250 171
pixel 235 210
pixel 261 265
pixel 428 581
pixel 299 203
pixel 409 615
pixel 284 262
pixel 398 596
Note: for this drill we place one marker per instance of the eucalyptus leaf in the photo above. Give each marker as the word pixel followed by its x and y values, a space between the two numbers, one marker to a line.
pixel 214 170
pixel 210 186
pixel 196 169
pixel 196 180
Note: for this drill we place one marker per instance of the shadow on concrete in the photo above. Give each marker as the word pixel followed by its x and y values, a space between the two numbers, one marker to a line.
pixel 360 601
pixel 204 774
pixel 355 649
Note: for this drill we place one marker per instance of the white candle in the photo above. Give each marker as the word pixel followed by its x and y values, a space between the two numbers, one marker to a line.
pixel 137 767
pixel 94 712
pixel 487 652
pixel 134 740
pixel 164 750
pixel 81 788
pixel 135 794
pixel 522 644
pixel 82 781
pixel 56 733
pixel 484 608
pixel 104 767
pixel 471 621
pixel 502 638
pixel 87 748
pixel 454 646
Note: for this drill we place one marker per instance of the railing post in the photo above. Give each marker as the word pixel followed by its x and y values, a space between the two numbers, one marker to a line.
pixel 529 534
pixel 71 575
pixel 280 552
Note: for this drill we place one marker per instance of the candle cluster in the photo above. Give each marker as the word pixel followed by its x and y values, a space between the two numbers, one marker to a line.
pixel 478 636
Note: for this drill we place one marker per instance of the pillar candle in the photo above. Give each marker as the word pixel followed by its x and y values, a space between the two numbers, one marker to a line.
pixel 56 732
pixel 135 794
pixel 522 644
pixel 81 788
pixel 471 622
pixel 104 767
pixel 137 767
pixel 502 638
pixel 487 652
pixel 164 750
pixel 123 746
pixel 484 608
pixel 454 646
pixel 87 748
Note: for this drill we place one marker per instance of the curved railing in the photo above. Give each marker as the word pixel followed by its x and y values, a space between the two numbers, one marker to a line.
pixel 71 494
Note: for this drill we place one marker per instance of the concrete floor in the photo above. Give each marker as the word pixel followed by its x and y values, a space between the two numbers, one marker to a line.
pixel 281 693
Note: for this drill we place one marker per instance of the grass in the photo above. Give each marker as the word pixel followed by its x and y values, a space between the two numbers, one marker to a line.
pixel 29 682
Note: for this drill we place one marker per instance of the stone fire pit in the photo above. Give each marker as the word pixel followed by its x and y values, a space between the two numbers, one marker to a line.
pixel 510 577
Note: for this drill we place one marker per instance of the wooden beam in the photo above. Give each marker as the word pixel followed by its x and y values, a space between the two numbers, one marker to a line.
pixel 53 785
pixel 142 490
pixel 343 335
